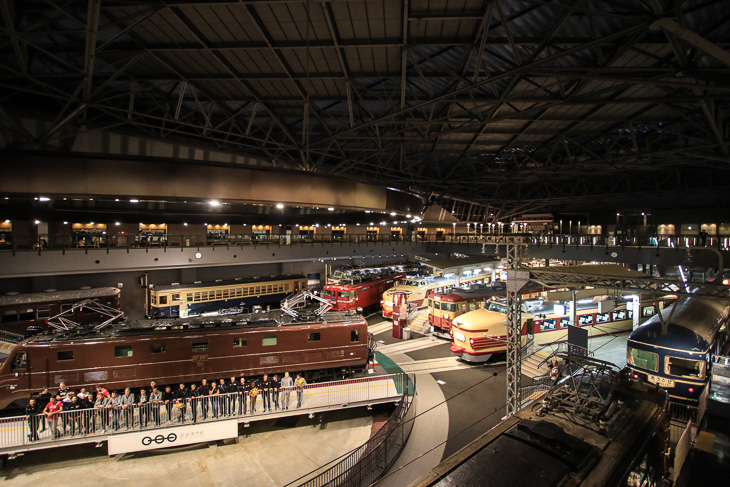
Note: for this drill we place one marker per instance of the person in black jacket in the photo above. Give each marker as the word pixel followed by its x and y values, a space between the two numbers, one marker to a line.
pixel 168 399
pixel 242 396
pixel 32 411
pixel 42 399
pixel 204 392
pixel 194 399
pixel 275 385
pixel 74 415
pixel 232 395
pixel 266 392
pixel 87 413
pixel 181 401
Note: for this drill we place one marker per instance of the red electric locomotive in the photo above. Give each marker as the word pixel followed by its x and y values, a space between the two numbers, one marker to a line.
pixel 360 291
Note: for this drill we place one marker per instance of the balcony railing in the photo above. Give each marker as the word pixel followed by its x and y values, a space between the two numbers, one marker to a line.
pixel 71 243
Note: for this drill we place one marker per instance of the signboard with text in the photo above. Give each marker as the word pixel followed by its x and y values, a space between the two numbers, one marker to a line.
pixel 168 437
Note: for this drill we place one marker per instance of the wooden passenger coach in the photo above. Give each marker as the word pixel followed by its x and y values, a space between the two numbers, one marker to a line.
pixel 175 351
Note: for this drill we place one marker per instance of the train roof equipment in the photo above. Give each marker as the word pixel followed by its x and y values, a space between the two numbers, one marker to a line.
pixel 592 429
pixel 62 322
pixel 295 302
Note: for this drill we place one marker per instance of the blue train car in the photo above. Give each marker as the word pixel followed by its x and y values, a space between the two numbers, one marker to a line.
pixel 181 301
pixel 674 351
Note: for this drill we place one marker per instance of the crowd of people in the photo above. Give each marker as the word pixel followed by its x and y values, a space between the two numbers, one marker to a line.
pixel 83 412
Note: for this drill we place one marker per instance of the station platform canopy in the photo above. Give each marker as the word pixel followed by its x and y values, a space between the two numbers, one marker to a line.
pixel 573 272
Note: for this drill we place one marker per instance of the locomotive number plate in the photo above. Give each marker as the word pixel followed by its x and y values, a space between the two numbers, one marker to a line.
pixel 662 381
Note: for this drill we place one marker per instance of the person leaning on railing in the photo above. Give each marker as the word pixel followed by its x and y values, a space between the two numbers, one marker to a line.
pixel 32 415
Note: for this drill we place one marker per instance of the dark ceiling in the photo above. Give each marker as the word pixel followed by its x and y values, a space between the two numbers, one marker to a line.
pixel 512 106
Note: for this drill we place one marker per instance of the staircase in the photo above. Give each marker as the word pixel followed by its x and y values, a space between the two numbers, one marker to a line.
pixel 531 364
pixel 420 324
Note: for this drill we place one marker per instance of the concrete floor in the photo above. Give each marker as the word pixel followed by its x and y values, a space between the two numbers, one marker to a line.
pixel 268 455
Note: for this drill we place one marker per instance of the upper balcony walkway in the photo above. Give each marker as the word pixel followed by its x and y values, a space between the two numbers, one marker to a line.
pixel 33 256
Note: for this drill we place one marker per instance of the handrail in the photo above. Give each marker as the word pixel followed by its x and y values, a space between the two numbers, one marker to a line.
pixel 368 462
pixel 68 242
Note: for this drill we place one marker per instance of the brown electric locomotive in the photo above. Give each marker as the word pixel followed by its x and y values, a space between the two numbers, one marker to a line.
pixel 186 350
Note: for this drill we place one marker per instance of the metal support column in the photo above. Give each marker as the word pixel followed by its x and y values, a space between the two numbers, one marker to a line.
pixel 516 280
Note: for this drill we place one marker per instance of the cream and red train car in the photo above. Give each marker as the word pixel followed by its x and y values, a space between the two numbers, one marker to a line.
pixel 479 334
pixel 186 350
pixel 417 288
pixel 443 308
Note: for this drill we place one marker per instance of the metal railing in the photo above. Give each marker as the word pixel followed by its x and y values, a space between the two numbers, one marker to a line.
pixel 367 463
pixel 40 243
pixel 105 419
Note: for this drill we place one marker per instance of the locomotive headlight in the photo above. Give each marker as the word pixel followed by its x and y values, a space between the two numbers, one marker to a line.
pixel 459 336
pixel 388 303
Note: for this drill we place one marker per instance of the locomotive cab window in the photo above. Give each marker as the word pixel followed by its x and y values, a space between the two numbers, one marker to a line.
pixel 313 337
pixel 157 348
pixel 683 367
pixel 162 299
pixel 355 336
pixel 268 341
pixel 123 351
pixel 20 362
pixel 43 313
pixel 643 359
pixel 65 355
pixel 239 342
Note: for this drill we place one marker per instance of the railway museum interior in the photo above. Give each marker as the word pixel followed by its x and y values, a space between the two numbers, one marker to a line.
pixel 486 240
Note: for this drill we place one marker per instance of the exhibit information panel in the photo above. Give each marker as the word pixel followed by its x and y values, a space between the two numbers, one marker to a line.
pixel 168 437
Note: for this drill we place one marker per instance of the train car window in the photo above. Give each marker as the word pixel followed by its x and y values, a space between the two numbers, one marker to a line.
pixel 683 367
pixel 153 299
pixel 643 359
pixel 585 320
pixel 10 316
pixel 123 351
pixel 157 348
pixel 176 297
pixel 647 311
pixel 355 336
pixel 162 299
pixel 564 322
pixel 20 362
pixel 65 355
pixel 196 297
pixel 603 317
pixel 218 294
pixel 268 341
pixel 546 325
pixel 313 337
pixel 43 313
pixel 240 342
pixel 225 294
pixel 189 298
pixel 473 306
pixel 619 315
pixel 66 307
pixel 27 314
pixel 200 346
